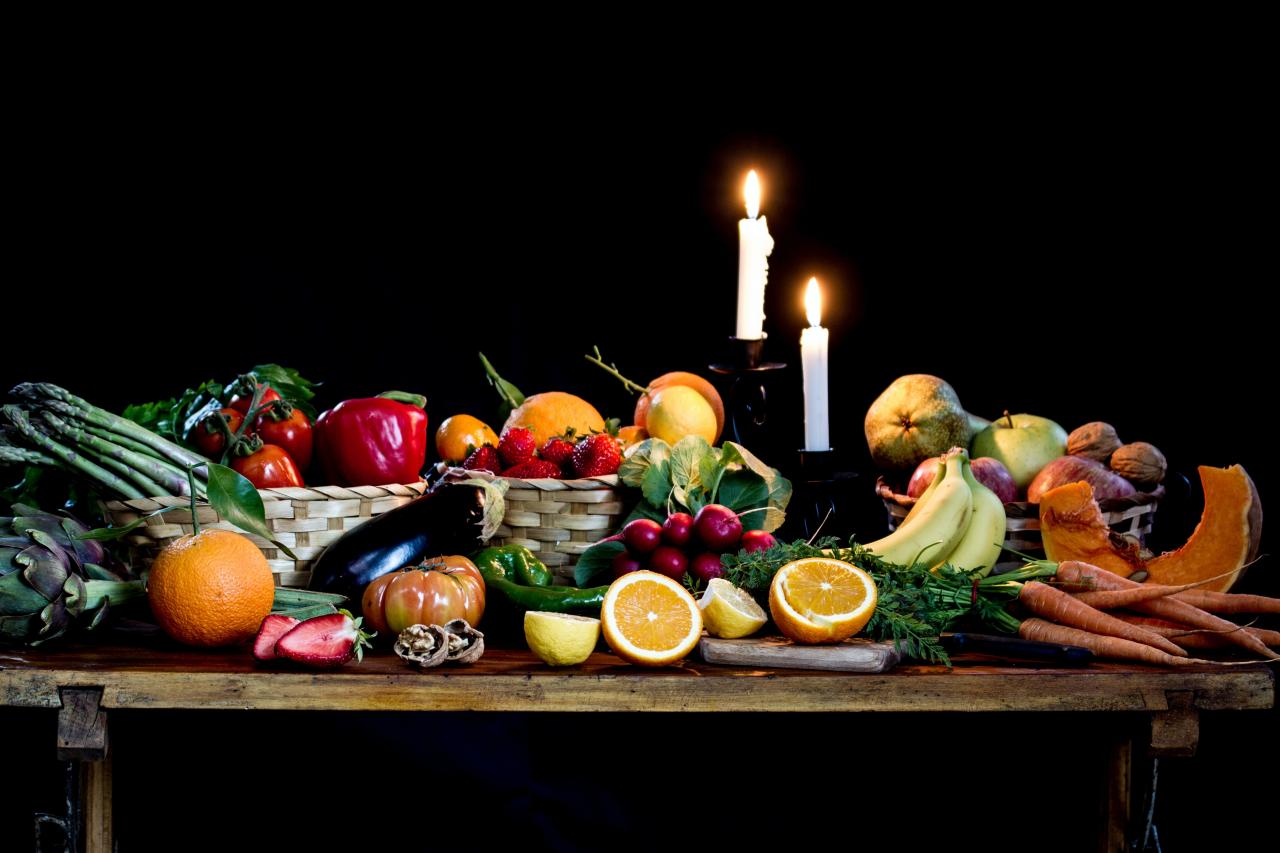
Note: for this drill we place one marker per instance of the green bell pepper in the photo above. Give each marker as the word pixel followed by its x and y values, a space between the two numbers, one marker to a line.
pixel 523 580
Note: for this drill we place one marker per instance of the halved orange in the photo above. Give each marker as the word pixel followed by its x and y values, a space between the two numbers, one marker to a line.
pixel 649 619
pixel 821 600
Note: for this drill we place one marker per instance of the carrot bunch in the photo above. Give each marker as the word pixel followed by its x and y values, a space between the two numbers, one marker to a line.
pixel 1118 618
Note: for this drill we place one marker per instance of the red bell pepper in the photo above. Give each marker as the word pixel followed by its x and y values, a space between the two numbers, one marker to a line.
pixel 374 441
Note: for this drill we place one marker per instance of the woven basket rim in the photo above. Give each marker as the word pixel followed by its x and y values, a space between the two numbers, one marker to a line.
pixel 299 493
pixel 1022 509
pixel 546 484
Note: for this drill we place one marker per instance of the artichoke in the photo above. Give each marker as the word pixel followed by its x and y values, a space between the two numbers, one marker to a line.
pixel 50 577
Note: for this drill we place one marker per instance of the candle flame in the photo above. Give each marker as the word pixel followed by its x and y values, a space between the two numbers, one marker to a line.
pixel 813 303
pixel 752 191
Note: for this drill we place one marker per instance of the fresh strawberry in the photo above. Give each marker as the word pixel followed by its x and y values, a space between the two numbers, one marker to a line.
pixel 273 628
pixel 596 455
pixel 557 449
pixel 534 469
pixel 484 459
pixel 324 641
pixel 517 445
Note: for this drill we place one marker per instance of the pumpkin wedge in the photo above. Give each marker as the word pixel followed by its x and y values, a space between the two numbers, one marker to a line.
pixel 1072 528
pixel 1227 538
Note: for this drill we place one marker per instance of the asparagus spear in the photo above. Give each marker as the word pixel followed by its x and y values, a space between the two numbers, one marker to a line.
pixel 168 482
pixel 18 417
pixel 48 394
pixel 13 455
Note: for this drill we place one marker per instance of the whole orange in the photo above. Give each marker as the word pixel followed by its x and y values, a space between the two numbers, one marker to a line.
pixel 460 434
pixel 692 380
pixel 551 413
pixel 210 589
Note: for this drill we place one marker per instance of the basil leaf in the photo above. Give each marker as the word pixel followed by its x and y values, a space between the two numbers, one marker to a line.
pixel 239 503
pixel 596 561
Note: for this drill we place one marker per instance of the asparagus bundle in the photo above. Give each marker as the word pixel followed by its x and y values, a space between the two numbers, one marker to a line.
pixel 57 428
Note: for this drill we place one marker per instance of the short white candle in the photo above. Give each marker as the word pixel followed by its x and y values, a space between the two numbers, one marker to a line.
pixel 813 359
pixel 754 247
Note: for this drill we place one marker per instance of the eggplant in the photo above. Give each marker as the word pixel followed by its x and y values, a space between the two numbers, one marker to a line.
pixel 452 518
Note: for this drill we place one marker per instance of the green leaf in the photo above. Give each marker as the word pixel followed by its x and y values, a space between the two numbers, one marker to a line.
pixel 510 394
pixel 596 562
pixel 710 469
pixel 779 486
pixel 656 486
pixel 632 470
pixel 149 415
pixel 644 509
pixel 686 459
pixel 743 489
pixel 239 503
pixel 289 384
pixel 107 534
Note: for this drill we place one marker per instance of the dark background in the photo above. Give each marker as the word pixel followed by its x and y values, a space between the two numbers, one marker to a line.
pixel 1076 250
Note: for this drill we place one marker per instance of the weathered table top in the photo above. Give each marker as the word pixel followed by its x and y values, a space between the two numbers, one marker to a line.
pixel 150 676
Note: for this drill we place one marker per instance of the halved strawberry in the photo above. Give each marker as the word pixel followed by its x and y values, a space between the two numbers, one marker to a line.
pixel 273 628
pixel 324 641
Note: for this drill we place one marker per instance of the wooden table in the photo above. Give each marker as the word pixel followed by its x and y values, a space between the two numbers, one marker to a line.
pixel 85 683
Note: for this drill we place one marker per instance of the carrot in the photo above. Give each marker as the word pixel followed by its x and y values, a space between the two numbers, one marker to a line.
pixel 1054 604
pixel 1105 647
pixel 1114 599
pixel 1228 602
pixel 1075 573
pixel 1194 636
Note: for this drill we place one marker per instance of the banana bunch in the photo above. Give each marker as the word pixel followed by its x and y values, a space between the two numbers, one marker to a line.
pixel 957 520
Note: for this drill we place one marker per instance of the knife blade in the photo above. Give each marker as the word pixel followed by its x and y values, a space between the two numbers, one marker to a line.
pixel 1017 648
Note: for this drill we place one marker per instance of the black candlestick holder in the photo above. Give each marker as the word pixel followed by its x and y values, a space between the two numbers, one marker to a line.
pixel 822 498
pixel 747 409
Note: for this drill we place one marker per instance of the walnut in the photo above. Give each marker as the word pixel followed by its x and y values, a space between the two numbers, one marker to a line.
pixel 1096 440
pixel 1139 463
pixel 465 643
pixel 425 645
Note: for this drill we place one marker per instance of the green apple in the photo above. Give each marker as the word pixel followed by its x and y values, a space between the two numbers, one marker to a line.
pixel 1024 443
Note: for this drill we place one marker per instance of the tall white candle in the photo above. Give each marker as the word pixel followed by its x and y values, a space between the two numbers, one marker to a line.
pixel 754 247
pixel 813 358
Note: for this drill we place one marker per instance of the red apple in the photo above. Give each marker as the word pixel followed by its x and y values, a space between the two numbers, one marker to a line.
pixel 922 477
pixel 992 474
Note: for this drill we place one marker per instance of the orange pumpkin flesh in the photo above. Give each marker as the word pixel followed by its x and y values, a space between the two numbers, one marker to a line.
pixel 1072 528
pixel 1226 540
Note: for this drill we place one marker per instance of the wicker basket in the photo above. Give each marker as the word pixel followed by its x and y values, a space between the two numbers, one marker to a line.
pixel 304 519
pixel 556 519
pixel 1131 516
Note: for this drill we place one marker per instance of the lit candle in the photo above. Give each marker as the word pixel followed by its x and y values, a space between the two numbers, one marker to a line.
pixel 813 358
pixel 754 246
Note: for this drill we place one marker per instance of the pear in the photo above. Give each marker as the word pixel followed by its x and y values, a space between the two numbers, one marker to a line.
pixel 916 417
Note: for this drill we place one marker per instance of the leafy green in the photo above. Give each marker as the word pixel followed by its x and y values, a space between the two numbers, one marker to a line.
pixel 596 561
pixel 687 477
pixel 290 384
pixel 175 418
pixel 693 474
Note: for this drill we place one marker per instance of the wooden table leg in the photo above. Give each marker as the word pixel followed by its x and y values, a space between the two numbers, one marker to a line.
pixel 1119 794
pixel 82 737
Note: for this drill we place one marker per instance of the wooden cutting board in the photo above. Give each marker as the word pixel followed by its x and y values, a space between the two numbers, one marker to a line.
pixel 850 656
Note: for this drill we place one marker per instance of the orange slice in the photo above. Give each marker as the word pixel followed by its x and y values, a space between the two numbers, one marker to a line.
pixel 649 619
pixel 820 600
